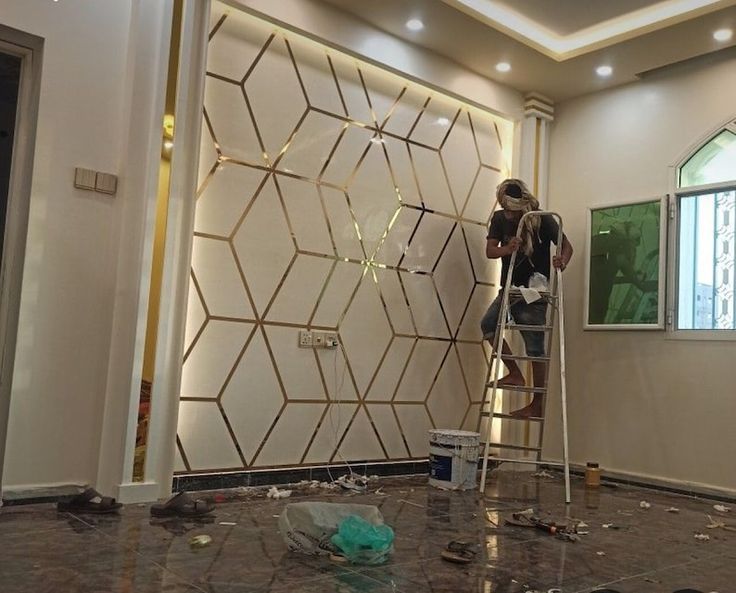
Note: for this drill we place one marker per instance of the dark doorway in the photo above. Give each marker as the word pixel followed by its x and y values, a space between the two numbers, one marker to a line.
pixel 9 84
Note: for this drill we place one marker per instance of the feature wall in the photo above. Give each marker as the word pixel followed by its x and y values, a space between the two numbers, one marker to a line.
pixel 333 196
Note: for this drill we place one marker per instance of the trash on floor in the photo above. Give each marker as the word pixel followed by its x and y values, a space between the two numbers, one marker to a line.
pixel 459 552
pixel 353 482
pixel 645 505
pixel 228 523
pixel 718 524
pixel 721 508
pixel 362 542
pixel 275 493
pixel 601 553
pixel 200 541
pixel 309 527
pixel 672 510
pixel 529 519
pixel 702 537
pixel 543 473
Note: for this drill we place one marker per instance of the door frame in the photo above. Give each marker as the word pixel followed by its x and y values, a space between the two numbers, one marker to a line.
pixel 29 48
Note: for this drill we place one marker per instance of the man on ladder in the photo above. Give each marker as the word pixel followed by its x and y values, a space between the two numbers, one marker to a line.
pixel 532 257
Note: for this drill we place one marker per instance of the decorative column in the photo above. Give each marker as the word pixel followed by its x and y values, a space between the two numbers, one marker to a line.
pixel 534 150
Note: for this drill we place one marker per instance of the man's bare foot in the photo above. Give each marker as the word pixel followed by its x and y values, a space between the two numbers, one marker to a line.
pixel 533 410
pixel 512 380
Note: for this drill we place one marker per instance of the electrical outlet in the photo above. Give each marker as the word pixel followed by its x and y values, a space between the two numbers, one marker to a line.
pixel 318 340
pixel 305 338
pixel 331 340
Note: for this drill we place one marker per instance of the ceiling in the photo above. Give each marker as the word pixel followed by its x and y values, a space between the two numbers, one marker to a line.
pixel 554 46
pixel 568 16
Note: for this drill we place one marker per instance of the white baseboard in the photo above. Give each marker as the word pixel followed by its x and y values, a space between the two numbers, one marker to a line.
pixel 135 492
pixel 663 483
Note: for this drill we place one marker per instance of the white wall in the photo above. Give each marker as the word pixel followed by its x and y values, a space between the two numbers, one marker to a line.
pixel 68 288
pixel 639 402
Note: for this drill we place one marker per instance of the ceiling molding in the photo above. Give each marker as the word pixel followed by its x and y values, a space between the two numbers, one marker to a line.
pixel 607 33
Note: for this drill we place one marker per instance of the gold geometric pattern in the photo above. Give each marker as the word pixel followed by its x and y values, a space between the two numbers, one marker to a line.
pixel 337 197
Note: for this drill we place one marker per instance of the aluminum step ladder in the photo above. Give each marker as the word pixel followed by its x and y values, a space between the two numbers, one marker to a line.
pixel 554 298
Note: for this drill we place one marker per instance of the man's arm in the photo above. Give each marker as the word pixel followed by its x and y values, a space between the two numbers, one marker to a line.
pixel 565 256
pixel 494 250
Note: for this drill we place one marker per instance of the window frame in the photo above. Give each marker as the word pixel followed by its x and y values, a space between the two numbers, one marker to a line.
pixel 673 233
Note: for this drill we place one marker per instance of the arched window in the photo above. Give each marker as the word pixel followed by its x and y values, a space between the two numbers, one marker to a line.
pixel 706 237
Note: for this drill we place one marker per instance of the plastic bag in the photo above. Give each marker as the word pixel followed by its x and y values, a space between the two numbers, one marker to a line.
pixel 363 543
pixel 308 527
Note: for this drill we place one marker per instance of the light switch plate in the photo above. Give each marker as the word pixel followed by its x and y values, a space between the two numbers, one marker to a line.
pixel 106 183
pixel 85 178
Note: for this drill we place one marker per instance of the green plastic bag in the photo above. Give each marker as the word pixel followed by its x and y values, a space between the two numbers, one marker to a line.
pixel 363 543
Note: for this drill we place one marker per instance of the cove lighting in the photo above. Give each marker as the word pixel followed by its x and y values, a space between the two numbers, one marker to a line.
pixel 723 35
pixel 604 71
pixel 414 25
pixel 503 66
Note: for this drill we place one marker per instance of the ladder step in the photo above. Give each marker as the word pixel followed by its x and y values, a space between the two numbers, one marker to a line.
pixel 527 358
pixel 514 447
pixel 510 417
pixel 519 388
pixel 522 327
pixel 529 461
pixel 542 293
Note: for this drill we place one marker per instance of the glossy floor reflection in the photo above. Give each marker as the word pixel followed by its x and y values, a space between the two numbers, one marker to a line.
pixel 642 551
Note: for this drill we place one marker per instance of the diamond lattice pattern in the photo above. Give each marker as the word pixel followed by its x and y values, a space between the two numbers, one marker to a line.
pixel 342 198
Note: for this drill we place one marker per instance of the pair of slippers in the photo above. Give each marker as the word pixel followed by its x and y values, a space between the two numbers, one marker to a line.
pixel 180 505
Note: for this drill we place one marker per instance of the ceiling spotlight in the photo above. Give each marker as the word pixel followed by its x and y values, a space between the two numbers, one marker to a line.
pixel 443 121
pixel 604 71
pixel 723 35
pixel 414 25
pixel 503 66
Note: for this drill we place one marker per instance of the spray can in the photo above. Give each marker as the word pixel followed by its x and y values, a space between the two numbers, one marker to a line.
pixel 592 475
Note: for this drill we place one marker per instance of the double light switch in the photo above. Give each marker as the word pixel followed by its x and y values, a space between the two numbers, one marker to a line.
pixel 104 183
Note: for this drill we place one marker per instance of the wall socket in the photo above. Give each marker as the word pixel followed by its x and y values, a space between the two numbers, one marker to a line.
pixel 318 339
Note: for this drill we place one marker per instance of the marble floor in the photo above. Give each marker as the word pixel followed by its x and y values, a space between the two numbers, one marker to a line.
pixel 643 551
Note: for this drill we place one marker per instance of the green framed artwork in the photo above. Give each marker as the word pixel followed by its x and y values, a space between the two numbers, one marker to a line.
pixel 624 281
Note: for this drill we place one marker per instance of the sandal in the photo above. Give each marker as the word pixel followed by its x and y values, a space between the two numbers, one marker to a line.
pixel 182 505
pixel 459 552
pixel 89 501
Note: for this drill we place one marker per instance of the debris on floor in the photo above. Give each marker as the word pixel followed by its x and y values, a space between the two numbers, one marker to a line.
pixel 672 510
pixel 200 541
pixel 718 524
pixel 601 553
pixel 228 523
pixel 528 519
pixel 459 552
pixel 353 482
pixel 702 537
pixel 645 505
pixel 543 473
pixel 721 508
pixel 275 493
pixel 356 531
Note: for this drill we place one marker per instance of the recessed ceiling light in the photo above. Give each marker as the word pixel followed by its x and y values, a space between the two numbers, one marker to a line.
pixel 723 35
pixel 414 25
pixel 604 71
pixel 503 66
pixel 443 121
pixel 377 140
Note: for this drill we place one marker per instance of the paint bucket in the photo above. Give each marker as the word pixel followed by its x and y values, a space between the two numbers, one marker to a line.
pixel 453 459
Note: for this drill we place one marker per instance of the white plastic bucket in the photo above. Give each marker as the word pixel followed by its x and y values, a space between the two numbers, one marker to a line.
pixel 453 459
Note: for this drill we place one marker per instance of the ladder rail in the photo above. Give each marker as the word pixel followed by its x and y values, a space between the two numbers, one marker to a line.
pixel 497 355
